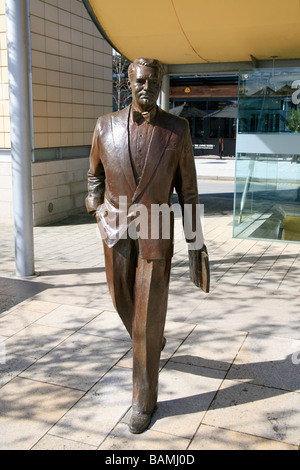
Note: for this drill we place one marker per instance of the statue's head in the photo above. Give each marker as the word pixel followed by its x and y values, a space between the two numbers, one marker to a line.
pixel 144 81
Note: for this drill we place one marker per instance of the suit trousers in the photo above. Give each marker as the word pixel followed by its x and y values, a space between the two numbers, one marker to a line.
pixel 139 290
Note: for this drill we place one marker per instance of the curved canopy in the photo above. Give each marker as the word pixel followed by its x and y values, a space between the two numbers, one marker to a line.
pixel 200 31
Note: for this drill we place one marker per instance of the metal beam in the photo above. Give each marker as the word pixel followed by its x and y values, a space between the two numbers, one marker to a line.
pixel 227 67
pixel 20 128
pixel 254 61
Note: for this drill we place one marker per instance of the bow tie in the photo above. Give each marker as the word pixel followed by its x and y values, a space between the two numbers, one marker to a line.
pixel 138 116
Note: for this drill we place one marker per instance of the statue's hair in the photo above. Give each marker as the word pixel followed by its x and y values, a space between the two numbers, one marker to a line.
pixel 153 63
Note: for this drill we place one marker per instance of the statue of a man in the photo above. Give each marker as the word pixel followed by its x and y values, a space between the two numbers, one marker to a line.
pixel 139 156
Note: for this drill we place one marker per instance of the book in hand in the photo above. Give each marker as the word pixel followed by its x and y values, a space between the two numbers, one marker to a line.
pixel 199 268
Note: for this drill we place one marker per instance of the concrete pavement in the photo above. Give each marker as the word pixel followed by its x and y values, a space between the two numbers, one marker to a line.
pixel 216 168
pixel 229 375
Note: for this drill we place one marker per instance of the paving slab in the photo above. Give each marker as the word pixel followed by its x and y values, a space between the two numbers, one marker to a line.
pixel 17 320
pixel 93 418
pixel 69 317
pixel 121 438
pixel 260 411
pixel 12 365
pixel 8 302
pixel 247 308
pixel 108 324
pixel 269 361
pixel 212 438
pixel 29 409
pixel 211 348
pixel 41 307
pixel 185 394
pixel 57 443
pixel 34 341
pixel 75 362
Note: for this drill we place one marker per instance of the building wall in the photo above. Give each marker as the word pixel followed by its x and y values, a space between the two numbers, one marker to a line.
pixel 59 189
pixel 71 67
pixel 5 166
pixel 4 99
pixel 6 206
pixel 71 73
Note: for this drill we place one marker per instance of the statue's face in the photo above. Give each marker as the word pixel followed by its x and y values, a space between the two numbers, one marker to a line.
pixel 145 86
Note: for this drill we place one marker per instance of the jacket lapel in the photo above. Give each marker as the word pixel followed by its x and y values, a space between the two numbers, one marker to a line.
pixel 120 124
pixel 160 138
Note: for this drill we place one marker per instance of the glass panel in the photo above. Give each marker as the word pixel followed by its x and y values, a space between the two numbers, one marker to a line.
pixel 269 101
pixel 267 197
pixel 267 190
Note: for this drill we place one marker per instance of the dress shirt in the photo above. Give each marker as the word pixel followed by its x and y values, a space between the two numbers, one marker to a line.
pixel 140 132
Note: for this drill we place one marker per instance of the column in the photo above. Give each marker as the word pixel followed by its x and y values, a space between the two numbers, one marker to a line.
pixel 165 92
pixel 20 119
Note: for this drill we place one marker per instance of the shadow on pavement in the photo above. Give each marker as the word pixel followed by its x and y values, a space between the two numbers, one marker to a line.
pixel 15 291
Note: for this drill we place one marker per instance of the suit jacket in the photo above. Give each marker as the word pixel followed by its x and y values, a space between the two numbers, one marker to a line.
pixel 169 164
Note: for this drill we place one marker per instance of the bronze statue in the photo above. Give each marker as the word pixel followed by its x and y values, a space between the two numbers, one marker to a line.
pixel 138 156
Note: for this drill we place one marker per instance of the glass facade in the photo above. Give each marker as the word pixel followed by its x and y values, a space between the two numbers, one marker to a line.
pixel 267 186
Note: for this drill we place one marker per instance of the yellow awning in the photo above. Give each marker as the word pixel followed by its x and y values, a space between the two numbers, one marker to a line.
pixel 200 31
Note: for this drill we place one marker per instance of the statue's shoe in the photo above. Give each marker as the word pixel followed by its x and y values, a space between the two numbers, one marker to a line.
pixel 139 422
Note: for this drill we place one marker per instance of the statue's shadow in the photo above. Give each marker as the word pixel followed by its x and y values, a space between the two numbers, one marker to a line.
pixel 245 383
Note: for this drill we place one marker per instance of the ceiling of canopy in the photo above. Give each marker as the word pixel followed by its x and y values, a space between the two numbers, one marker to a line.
pixel 200 31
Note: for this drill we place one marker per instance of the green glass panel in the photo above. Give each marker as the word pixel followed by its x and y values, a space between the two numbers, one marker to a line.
pixel 269 101
pixel 267 197
pixel 267 187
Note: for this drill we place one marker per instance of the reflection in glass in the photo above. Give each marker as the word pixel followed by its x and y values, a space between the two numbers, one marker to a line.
pixel 267 191
pixel 267 203
pixel 269 101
